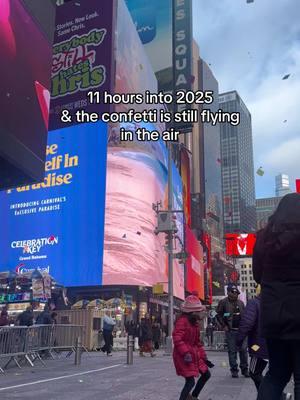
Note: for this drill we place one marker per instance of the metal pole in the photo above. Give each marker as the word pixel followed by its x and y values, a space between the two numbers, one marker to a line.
pixel 78 351
pixel 130 346
pixel 170 256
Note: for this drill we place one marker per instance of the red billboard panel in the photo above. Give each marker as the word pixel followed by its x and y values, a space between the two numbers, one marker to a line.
pixel 186 181
pixel 194 264
pixel 298 185
pixel 240 244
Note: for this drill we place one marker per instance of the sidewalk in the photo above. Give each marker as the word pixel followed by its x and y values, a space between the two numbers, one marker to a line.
pixel 108 378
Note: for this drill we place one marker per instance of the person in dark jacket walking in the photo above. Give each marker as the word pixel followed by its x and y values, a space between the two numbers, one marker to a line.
pixel 44 317
pixel 276 266
pixel 146 336
pixel 189 355
pixel 4 319
pixel 156 335
pixel 250 327
pixel 26 317
pixel 229 312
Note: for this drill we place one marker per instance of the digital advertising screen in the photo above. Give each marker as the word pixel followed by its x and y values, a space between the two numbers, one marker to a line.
pixel 82 56
pixel 194 264
pixel 240 245
pixel 57 225
pixel 25 85
pixel 153 21
pixel 133 254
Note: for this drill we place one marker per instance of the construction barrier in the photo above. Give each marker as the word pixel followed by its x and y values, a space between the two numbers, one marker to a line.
pixel 32 343
pixel 215 342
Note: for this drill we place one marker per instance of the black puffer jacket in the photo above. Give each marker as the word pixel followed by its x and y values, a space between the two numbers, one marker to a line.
pixel 276 266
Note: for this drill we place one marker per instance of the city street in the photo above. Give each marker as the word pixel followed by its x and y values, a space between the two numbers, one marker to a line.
pixel 100 377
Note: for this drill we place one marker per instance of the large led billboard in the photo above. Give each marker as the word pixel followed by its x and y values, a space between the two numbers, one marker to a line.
pixel 67 238
pixel 153 21
pixel 136 179
pixel 25 31
pixel 194 264
pixel 240 244
pixel 82 56
pixel 57 225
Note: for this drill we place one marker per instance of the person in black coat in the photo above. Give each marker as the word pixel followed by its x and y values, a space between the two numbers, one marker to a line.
pixel 26 317
pixel 250 327
pixel 276 266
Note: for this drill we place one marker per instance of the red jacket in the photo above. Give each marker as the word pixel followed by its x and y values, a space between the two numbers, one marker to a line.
pixel 186 338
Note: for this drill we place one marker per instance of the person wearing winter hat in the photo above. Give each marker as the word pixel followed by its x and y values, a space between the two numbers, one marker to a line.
pixel 229 313
pixel 189 355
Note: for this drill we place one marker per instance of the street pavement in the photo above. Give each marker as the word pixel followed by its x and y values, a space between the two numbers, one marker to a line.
pixel 109 378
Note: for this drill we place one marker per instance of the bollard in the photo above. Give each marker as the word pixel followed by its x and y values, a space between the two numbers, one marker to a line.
pixel 78 351
pixel 130 346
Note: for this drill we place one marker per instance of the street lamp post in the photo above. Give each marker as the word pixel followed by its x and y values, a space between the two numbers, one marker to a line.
pixel 170 256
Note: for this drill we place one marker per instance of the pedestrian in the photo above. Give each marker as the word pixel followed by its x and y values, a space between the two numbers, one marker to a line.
pixel 229 312
pixel 146 337
pixel 108 327
pixel 131 328
pixel 26 317
pixel 54 318
pixel 189 355
pixel 44 318
pixel 250 327
pixel 276 266
pixel 210 334
pixel 4 320
pixel 156 335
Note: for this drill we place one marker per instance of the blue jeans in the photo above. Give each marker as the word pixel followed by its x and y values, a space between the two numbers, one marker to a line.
pixel 232 353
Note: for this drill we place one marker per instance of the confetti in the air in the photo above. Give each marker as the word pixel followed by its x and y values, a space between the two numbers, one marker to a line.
pixel 286 77
pixel 260 171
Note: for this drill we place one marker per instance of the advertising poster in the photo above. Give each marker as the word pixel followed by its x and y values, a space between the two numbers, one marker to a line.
pixel 82 56
pixel 153 21
pixel 25 84
pixel 240 245
pixel 37 289
pixel 133 254
pixel 186 182
pixel 57 226
pixel 194 264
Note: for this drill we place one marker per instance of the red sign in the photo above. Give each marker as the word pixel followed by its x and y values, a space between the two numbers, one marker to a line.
pixel 195 268
pixel 298 185
pixel 186 183
pixel 240 244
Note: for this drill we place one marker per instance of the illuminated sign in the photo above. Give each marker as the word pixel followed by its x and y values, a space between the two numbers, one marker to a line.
pixel 240 244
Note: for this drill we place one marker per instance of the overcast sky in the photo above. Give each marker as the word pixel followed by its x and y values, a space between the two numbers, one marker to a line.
pixel 250 48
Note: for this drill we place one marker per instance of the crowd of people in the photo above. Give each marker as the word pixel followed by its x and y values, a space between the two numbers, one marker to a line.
pixel 27 317
pixel 269 325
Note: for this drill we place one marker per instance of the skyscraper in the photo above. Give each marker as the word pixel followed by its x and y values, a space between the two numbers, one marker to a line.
pixel 282 185
pixel 237 167
pixel 264 209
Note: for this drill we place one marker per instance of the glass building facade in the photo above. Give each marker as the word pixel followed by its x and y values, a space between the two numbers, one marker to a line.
pixel 212 164
pixel 237 167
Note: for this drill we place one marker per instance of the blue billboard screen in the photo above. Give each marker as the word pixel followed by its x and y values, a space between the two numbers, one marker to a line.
pixel 58 225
